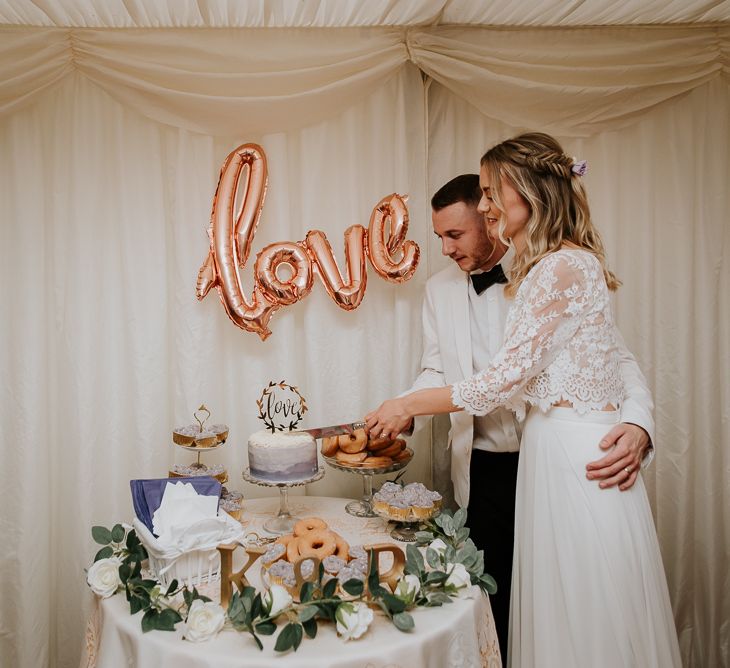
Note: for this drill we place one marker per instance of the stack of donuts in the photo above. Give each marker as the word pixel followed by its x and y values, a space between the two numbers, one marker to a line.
pixel 313 538
pixel 358 450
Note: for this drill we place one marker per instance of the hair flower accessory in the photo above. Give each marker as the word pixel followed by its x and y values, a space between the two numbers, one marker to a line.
pixel 579 167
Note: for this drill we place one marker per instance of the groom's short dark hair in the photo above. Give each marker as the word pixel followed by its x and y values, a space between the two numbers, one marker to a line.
pixel 462 188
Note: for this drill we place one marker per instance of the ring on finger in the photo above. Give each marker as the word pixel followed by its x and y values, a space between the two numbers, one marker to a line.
pixel 627 469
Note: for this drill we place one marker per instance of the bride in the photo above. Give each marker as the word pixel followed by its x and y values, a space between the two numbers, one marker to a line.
pixel 588 585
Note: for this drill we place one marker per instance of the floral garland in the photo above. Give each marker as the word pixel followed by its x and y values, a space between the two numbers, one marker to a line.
pixel 446 564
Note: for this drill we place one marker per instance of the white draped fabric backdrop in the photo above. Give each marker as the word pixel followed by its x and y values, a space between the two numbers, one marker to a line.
pixel 110 145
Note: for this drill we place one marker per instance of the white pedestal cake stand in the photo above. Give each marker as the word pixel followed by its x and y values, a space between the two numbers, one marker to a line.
pixel 364 507
pixel 284 521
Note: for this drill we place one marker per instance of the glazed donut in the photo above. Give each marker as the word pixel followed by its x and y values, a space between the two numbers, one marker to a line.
pixel 319 543
pixel 330 445
pixel 285 539
pixel 292 550
pixel 352 443
pixel 350 459
pixel 308 524
pixel 375 444
pixel 404 455
pixel 392 450
pixel 342 547
pixel 375 462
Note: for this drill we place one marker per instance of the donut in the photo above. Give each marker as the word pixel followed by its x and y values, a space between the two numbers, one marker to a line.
pixel 404 455
pixel 375 444
pixel 375 462
pixel 392 450
pixel 352 443
pixel 285 539
pixel 350 459
pixel 292 550
pixel 319 543
pixel 308 524
pixel 330 445
pixel 342 549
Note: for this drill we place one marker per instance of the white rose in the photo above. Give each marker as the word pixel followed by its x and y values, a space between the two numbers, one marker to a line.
pixel 275 600
pixel 439 546
pixel 458 576
pixel 103 576
pixel 353 619
pixel 204 621
pixel 407 589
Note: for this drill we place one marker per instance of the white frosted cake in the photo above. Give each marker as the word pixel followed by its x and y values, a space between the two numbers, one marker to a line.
pixel 282 456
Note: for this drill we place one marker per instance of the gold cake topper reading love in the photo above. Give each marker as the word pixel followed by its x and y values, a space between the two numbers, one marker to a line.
pixel 281 406
pixel 244 178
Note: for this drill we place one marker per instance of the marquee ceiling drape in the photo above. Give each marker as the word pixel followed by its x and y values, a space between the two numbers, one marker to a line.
pixel 114 119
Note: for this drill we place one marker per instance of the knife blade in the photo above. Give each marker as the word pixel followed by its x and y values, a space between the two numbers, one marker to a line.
pixel 334 430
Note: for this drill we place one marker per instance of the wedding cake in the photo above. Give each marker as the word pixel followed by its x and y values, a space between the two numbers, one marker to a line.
pixel 282 456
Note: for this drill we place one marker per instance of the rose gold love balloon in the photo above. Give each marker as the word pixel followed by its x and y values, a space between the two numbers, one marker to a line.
pixel 230 240
pixel 298 285
pixel 392 211
pixel 347 292
pixel 231 234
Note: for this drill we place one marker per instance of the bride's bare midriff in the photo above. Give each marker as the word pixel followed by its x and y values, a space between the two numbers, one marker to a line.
pixel 567 404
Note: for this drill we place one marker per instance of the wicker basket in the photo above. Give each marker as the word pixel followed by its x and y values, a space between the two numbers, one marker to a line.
pixel 190 568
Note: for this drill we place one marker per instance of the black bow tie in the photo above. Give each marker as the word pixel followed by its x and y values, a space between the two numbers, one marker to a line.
pixel 488 278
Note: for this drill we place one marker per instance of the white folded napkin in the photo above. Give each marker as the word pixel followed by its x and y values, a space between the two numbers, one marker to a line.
pixel 181 509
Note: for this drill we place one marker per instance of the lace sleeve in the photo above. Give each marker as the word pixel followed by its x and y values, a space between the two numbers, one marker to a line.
pixel 548 309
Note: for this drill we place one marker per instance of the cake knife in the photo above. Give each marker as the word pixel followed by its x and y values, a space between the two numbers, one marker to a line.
pixel 334 430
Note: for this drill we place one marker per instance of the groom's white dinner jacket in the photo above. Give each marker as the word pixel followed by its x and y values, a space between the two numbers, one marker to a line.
pixel 447 359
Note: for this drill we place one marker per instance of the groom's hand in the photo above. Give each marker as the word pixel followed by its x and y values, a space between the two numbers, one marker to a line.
pixel 627 444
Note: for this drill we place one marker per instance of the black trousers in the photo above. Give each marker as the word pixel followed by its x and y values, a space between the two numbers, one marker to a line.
pixel 491 520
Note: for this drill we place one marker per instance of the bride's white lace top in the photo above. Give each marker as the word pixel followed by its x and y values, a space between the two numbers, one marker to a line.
pixel 559 344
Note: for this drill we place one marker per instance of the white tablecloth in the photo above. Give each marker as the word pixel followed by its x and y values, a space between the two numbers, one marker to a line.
pixel 459 634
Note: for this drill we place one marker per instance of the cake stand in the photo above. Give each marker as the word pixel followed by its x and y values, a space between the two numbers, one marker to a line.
pixel 405 529
pixel 364 507
pixel 284 521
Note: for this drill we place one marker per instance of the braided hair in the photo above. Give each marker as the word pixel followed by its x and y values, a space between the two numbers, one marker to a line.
pixel 537 167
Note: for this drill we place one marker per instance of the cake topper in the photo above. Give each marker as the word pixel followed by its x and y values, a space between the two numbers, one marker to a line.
pixel 281 407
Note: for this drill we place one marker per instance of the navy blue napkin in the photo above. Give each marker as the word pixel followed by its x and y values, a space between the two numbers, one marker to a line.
pixel 147 494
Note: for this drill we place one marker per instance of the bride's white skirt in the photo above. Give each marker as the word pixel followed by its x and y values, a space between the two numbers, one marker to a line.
pixel 588 585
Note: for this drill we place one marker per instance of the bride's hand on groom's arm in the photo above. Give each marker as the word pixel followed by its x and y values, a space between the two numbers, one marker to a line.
pixel 627 444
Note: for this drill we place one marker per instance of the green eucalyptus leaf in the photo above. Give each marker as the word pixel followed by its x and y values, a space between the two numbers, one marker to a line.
pixel 395 605
pixel 266 628
pixel 290 637
pixel 459 519
pixel 436 577
pixel 101 535
pixel 447 524
pixel 488 583
pixel 354 587
pixel 461 536
pixel 307 591
pixel 135 604
pixel 125 573
pixel 433 558
pixel 424 537
pixel 414 560
pixel 307 613
pixel 188 597
pixel 330 588
pixel 149 620
pixel 167 619
pixel 104 553
pixel 171 588
pixel 438 598
pixel 257 607
pixel 450 555
pixel 117 533
pixel 403 621
pixel 310 628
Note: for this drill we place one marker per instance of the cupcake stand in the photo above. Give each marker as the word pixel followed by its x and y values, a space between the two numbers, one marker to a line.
pixel 364 507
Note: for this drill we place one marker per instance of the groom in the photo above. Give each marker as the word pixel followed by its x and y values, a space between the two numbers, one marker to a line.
pixel 464 313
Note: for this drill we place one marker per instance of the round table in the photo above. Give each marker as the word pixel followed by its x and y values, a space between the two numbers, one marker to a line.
pixel 458 634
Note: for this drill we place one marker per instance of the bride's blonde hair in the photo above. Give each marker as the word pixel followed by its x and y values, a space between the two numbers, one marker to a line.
pixel 551 184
